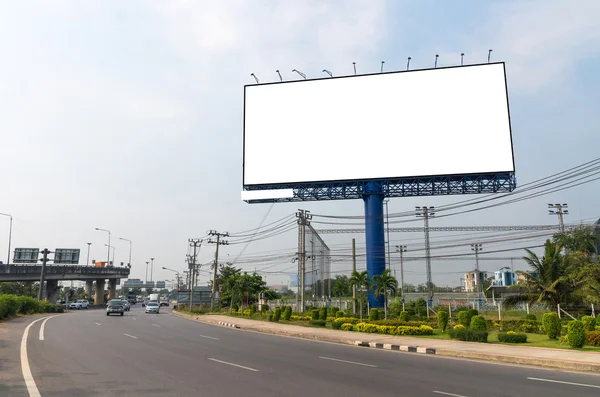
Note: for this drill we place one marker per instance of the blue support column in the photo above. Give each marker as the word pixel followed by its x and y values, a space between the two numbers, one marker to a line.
pixel 374 234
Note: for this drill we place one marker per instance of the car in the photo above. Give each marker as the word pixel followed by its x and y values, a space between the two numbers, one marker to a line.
pixel 152 307
pixel 126 305
pixel 145 302
pixel 115 307
pixel 84 303
pixel 164 303
pixel 75 305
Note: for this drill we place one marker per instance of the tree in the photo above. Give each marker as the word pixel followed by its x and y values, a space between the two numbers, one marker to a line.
pixel 361 281
pixel 582 239
pixel 20 288
pixel 339 289
pixel 382 283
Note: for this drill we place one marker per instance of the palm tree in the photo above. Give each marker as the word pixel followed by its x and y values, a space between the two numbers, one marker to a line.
pixel 339 289
pixel 548 275
pixel 361 281
pixel 382 283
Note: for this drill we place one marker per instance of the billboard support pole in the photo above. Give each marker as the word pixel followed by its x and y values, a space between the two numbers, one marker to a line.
pixel 374 234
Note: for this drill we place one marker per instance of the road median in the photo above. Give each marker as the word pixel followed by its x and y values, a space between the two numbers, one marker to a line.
pixel 564 359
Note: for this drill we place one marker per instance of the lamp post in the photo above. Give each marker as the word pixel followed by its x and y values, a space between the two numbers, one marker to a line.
pixel 176 275
pixel 9 236
pixel 146 279
pixel 124 239
pixel 108 251
pixel 113 248
pixel 88 255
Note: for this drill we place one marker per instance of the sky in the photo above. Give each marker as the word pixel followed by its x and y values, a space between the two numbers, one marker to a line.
pixel 128 116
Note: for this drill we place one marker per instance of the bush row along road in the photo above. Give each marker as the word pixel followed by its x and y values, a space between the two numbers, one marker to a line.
pixel 89 354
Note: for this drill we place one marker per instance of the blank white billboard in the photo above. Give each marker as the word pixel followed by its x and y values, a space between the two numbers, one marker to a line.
pixel 444 121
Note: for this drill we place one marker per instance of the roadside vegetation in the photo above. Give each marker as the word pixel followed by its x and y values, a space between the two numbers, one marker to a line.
pixel 13 305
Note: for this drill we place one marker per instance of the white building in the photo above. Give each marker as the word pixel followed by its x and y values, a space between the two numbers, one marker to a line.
pixel 472 281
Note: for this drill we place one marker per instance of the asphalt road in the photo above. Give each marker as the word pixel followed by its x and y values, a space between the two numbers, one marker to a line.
pixel 87 353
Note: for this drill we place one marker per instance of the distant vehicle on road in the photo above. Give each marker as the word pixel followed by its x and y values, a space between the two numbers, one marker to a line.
pixel 164 302
pixel 145 302
pixel 126 305
pixel 115 307
pixel 152 307
pixel 84 303
pixel 75 305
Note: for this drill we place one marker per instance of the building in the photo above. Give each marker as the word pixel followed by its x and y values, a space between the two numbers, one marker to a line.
pixel 503 278
pixel 521 278
pixel 472 281
pixel 281 288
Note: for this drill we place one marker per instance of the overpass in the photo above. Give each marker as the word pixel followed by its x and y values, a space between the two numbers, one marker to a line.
pixel 55 273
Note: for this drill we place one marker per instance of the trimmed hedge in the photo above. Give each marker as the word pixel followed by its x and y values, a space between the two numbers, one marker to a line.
pixel 463 318
pixel 468 335
pixel 589 323
pixel 374 314
pixel 551 325
pixel 287 313
pixel 314 314
pixel 404 316
pixel 347 327
pixel 442 318
pixel 478 323
pixel 343 320
pixel 333 311
pixel 336 324
pixel 11 305
pixel 300 318
pixel 317 323
pixel 512 337
pixel 392 330
pixel 277 314
pixel 531 317
pixel 323 313
pixel 339 314
pixel 576 334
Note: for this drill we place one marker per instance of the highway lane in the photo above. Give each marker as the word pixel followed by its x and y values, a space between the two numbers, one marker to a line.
pixel 87 353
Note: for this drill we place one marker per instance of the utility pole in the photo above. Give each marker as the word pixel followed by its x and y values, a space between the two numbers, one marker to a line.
pixel 559 210
pixel 353 270
pixel 196 243
pixel 387 228
pixel 216 264
pixel 477 248
pixel 304 218
pixel 45 252
pixel 426 213
pixel 401 249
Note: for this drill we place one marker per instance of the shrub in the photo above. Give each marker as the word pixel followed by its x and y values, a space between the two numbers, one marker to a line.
pixel 252 309
pixel 288 313
pixel 593 338
pixel 347 327
pixel 333 311
pixel 442 318
pixel 469 335
pixel 300 318
pixel 576 334
pixel 408 330
pixel 598 328
pixel 512 337
pixel 589 323
pixel 463 318
pixel 366 327
pixel 343 320
pixel 459 327
pixel 317 323
pixel 270 317
pixel 277 314
pixel 404 316
pixel 529 326
pixel 323 313
pixel 374 314
pixel 339 314
pixel 478 323
pixel 472 312
pixel 247 312
pixel 264 308
pixel 336 325
pixel 531 317
pixel 26 305
pixel 551 325
pixel 314 314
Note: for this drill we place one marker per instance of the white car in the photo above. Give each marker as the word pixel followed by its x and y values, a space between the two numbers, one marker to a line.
pixel 152 307
pixel 75 305
pixel 84 303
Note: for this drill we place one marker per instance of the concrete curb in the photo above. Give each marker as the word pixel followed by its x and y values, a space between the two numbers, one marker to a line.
pixel 402 348
pixel 228 324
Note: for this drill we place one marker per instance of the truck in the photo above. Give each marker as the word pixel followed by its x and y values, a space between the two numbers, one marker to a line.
pixel 154 297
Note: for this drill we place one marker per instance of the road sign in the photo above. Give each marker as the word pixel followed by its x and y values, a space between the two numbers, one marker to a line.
pixel 26 255
pixel 67 256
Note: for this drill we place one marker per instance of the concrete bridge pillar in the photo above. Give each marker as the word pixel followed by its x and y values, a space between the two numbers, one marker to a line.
pixel 51 290
pixel 89 284
pixel 112 288
pixel 99 295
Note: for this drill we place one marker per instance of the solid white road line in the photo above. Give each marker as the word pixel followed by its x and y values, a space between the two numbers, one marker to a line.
pixel 97 323
pixel 27 376
pixel 43 327
pixel 208 337
pixel 232 364
pixel 348 362
pixel 131 336
pixel 156 325
pixel 565 383
pixel 448 394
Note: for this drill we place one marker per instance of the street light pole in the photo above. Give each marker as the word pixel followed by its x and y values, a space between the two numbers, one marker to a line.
pixel 9 236
pixel 124 239
pixel 108 251
pixel 146 279
pixel 151 268
pixel 88 255
pixel 113 248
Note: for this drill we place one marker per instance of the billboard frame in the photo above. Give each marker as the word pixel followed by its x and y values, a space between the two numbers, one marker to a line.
pixel 468 183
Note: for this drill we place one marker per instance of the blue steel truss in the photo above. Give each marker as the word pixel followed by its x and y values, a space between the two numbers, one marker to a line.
pixel 394 187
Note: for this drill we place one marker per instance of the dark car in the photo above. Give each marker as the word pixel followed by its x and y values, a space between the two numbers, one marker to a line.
pixel 115 308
